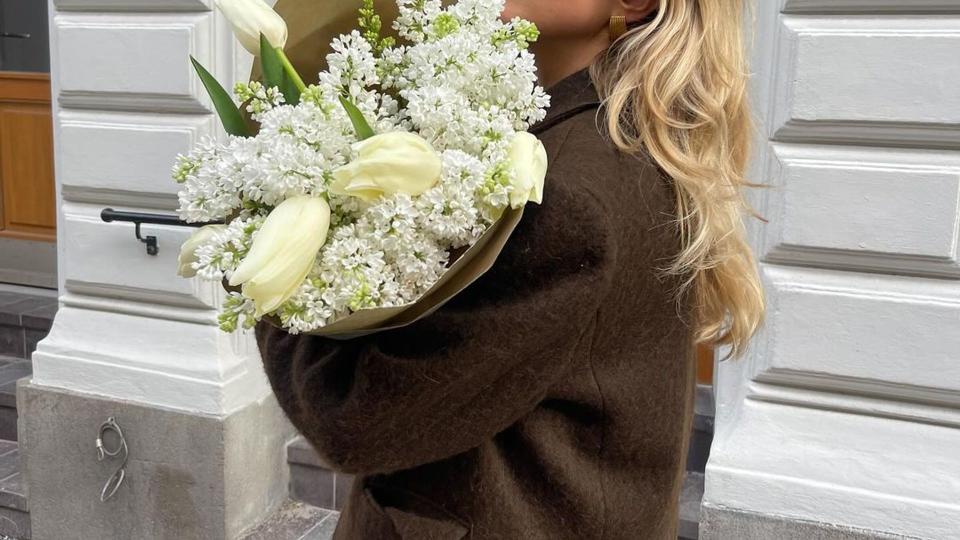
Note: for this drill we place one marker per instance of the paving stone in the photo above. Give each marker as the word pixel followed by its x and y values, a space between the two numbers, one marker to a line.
pixel 30 339
pixel 10 373
pixel 300 452
pixel 8 395
pixel 15 524
pixel 11 313
pixel 7 298
pixel 14 519
pixel 690 498
pixel 9 464
pixel 41 317
pixel 8 424
pixel 11 341
pixel 324 529
pixel 13 493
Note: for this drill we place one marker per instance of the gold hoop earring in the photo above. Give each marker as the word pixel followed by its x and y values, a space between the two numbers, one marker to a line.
pixel 618 27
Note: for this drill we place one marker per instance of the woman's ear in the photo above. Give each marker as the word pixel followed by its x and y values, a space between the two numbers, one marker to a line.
pixel 637 10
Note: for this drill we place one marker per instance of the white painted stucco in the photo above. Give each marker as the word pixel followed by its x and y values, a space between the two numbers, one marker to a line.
pixel 126 102
pixel 847 409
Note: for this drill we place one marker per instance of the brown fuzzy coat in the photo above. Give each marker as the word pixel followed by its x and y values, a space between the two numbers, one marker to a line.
pixel 551 400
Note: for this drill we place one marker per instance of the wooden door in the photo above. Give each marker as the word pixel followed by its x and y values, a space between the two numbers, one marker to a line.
pixel 705 360
pixel 27 196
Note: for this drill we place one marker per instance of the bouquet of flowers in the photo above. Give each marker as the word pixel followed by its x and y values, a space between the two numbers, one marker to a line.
pixel 367 200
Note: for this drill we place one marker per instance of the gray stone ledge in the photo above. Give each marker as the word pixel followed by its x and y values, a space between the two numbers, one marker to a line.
pixel 721 523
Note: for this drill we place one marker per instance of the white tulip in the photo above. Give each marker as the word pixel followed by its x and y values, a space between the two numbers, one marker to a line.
pixel 188 252
pixel 250 18
pixel 283 252
pixel 395 162
pixel 528 160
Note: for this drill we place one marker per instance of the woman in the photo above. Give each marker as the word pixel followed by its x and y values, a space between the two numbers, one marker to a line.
pixel 553 398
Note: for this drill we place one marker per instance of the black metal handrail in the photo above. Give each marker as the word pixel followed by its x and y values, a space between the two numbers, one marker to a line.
pixel 110 215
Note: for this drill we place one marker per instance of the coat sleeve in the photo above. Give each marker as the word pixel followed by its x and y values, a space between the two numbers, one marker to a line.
pixel 445 384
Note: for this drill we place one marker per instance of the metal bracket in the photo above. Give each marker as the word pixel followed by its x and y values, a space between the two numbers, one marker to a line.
pixel 151 241
pixel 139 218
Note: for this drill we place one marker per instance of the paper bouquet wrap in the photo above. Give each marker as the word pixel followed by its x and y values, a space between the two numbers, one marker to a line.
pixel 369 199
pixel 467 268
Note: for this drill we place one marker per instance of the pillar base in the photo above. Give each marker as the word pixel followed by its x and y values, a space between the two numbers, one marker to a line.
pixel 188 475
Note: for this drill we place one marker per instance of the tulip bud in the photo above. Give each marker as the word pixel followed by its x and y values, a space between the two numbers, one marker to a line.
pixel 395 162
pixel 283 252
pixel 188 252
pixel 250 18
pixel 528 161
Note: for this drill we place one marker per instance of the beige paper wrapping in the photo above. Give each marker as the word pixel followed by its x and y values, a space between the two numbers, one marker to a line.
pixel 313 24
pixel 472 263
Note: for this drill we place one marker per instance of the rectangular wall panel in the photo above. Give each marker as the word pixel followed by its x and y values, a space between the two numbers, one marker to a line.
pixel 871 6
pixel 887 333
pixel 878 209
pixel 907 212
pixel 109 260
pixel 861 79
pixel 133 5
pixel 132 62
pixel 109 156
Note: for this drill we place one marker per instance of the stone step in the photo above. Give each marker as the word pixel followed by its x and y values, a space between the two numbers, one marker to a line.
pixel 690 499
pixel 11 370
pixel 702 436
pixel 312 481
pixel 25 319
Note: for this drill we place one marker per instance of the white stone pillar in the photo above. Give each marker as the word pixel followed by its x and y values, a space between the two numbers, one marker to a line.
pixel 844 421
pixel 132 340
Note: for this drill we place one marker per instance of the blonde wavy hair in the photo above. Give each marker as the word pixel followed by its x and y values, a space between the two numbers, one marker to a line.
pixel 675 87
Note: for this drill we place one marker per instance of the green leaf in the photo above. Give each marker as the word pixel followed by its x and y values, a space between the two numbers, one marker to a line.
pixel 360 125
pixel 228 111
pixel 274 73
pixel 272 68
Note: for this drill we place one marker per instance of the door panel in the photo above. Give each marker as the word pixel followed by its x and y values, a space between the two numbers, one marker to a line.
pixel 27 197
pixel 28 252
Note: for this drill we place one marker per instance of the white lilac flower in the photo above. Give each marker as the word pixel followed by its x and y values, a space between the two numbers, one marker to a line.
pixel 459 77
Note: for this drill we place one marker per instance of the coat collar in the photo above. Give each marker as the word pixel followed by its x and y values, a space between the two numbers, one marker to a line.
pixel 569 97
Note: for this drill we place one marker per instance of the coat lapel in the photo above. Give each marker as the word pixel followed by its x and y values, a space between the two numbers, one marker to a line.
pixel 569 97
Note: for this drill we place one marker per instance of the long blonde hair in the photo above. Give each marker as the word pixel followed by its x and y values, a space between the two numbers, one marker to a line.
pixel 675 87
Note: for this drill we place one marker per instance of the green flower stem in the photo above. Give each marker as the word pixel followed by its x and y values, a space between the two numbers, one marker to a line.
pixel 291 71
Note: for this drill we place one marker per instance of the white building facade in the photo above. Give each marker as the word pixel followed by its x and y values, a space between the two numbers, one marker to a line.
pixel 844 420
